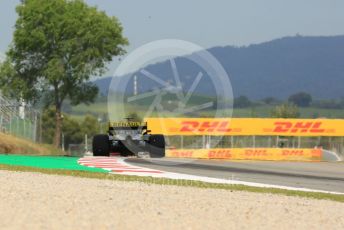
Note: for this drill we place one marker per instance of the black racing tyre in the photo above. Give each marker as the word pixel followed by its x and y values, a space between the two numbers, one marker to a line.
pixel 156 146
pixel 101 145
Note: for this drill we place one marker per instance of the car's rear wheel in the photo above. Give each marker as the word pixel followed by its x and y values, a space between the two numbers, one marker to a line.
pixel 101 145
pixel 156 146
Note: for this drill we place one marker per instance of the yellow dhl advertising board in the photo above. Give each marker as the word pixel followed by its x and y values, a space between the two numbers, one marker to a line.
pixel 246 126
pixel 271 154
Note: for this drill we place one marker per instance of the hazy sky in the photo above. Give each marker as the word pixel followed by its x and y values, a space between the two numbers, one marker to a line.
pixel 209 23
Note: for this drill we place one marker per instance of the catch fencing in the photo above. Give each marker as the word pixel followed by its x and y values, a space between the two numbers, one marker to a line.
pixel 19 119
pixel 335 144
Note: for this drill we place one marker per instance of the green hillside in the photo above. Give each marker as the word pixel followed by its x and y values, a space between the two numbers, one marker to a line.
pixel 100 109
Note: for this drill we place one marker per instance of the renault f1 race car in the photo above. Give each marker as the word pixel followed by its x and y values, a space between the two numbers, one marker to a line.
pixel 129 139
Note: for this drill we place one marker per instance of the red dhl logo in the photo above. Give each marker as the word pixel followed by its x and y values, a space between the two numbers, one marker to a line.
pixel 206 126
pixel 182 153
pixel 292 152
pixel 221 153
pixel 298 127
pixel 256 152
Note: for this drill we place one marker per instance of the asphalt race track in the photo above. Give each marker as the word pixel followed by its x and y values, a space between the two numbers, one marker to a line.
pixel 312 175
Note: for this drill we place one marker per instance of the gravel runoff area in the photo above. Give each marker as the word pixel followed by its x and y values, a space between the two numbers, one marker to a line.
pixel 39 201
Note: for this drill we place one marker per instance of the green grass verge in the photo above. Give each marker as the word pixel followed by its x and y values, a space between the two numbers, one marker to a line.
pixel 47 162
pixel 175 182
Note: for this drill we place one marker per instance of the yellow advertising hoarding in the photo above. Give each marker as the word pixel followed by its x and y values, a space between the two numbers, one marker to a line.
pixel 246 126
pixel 272 154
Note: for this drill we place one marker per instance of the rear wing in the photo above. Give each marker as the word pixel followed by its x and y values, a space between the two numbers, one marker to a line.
pixel 127 125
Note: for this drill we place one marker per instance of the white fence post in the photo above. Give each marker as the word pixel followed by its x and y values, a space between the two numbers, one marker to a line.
pixel 86 147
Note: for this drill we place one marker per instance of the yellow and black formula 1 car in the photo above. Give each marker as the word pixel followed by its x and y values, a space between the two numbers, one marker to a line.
pixel 129 138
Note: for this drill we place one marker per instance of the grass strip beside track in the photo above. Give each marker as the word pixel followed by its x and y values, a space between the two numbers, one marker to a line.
pixel 175 182
pixel 46 162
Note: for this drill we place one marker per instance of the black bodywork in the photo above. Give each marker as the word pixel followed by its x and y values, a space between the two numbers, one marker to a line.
pixel 128 138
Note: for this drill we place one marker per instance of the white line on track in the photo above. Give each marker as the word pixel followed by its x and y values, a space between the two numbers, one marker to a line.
pixel 117 165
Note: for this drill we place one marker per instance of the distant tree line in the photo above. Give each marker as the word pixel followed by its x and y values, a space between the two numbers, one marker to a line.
pixel 301 99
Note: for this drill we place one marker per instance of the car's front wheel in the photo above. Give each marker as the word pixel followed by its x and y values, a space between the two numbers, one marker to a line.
pixel 156 146
pixel 101 145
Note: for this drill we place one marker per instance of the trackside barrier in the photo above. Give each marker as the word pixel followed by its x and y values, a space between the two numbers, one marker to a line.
pixel 272 154
pixel 247 127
